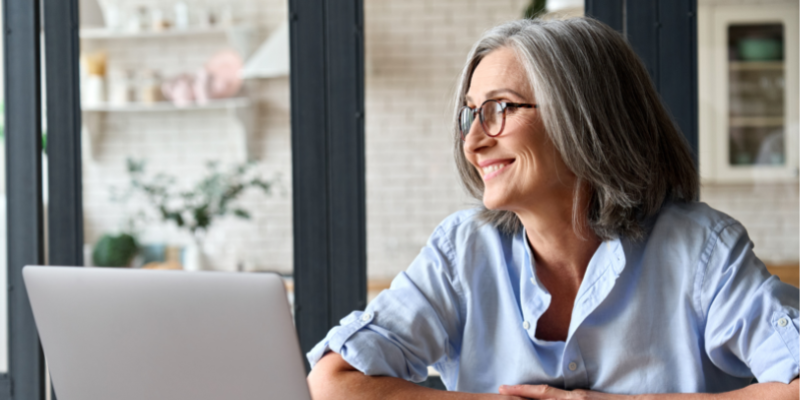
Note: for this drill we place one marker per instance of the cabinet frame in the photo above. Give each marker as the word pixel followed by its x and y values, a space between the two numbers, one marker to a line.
pixel 714 72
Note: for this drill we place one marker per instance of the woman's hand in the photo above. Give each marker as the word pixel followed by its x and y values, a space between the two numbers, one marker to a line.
pixel 767 390
pixel 548 392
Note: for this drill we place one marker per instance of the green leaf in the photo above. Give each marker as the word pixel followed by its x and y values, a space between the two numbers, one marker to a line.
pixel 535 9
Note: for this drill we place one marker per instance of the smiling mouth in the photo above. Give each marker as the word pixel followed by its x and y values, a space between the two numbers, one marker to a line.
pixel 494 169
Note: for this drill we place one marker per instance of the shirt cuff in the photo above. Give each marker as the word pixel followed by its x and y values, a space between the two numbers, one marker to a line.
pixel 783 344
pixel 337 337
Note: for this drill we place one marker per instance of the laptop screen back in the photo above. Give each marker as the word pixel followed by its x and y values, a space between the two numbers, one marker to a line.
pixel 133 334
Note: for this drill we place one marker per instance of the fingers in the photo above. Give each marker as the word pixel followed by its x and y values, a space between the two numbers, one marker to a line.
pixel 535 392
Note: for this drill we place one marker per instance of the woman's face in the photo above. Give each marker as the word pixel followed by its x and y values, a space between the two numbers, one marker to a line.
pixel 520 168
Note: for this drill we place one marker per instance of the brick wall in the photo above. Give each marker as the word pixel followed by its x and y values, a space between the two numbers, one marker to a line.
pixel 415 51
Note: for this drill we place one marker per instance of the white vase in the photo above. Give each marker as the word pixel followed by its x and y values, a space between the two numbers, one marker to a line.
pixel 194 258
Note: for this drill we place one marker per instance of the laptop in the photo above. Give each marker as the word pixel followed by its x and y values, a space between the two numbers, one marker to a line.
pixel 128 334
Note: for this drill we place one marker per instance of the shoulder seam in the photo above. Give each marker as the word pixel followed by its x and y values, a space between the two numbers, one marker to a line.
pixel 450 253
pixel 705 258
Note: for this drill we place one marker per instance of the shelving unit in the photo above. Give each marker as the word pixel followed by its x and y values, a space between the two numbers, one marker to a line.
pixel 240 111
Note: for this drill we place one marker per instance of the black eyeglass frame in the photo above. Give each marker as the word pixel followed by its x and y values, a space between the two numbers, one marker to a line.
pixel 477 110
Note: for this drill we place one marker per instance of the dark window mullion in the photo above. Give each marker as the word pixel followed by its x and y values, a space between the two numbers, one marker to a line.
pixel 327 102
pixel 23 191
pixel 611 12
pixel 65 208
pixel 65 205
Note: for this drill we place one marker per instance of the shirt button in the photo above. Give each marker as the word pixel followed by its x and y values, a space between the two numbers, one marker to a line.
pixel 366 317
pixel 573 366
pixel 526 325
pixel 533 281
pixel 783 322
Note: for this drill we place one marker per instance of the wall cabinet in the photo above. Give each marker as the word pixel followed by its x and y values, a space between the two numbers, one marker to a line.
pixel 748 79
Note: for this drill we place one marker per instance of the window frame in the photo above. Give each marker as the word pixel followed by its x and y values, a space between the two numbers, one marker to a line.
pixel 328 164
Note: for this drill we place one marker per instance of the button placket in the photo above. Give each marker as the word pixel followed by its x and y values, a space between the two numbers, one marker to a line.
pixel 534 298
pixel 572 366
pixel 575 374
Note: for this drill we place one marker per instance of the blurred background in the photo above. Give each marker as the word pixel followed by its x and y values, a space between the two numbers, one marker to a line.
pixel 187 136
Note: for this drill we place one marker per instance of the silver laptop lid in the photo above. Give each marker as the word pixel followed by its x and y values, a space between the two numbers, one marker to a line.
pixel 134 334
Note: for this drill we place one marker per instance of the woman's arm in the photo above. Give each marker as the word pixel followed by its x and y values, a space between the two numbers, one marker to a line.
pixel 333 379
pixel 766 391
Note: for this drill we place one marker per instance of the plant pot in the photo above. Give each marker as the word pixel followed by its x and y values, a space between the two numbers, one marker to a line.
pixel 194 257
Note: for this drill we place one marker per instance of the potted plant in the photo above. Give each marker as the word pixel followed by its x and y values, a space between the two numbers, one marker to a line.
pixel 194 209
pixel 115 250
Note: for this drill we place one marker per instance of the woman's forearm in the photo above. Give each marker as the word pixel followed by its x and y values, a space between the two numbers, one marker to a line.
pixel 767 391
pixel 334 379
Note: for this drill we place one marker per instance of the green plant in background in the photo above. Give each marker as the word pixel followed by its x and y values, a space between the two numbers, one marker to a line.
pixel 535 9
pixel 194 209
pixel 115 251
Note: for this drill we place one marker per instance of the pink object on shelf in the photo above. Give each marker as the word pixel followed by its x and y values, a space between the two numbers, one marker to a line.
pixel 179 90
pixel 224 70
pixel 219 79
pixel 201 86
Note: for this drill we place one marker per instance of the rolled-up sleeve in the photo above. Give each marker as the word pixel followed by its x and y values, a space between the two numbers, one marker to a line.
pixel 413 324
pixel 752 318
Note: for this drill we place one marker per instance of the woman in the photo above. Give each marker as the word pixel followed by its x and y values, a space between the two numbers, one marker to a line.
pixel 591 272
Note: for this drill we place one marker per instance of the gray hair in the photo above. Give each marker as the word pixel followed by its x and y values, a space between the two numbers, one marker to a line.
pixel 603 115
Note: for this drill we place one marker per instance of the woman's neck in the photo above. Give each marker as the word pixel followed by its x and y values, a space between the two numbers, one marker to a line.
pixel 558 249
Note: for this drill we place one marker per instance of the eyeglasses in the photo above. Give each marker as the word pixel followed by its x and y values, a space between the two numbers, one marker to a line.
pixel 492 115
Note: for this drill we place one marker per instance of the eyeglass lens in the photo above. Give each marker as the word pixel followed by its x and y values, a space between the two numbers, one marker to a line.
pixel 491 116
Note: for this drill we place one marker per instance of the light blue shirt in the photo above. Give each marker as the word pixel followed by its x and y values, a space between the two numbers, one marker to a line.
pixel 688 309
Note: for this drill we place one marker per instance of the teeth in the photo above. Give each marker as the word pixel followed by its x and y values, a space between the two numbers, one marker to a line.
pixel 493 167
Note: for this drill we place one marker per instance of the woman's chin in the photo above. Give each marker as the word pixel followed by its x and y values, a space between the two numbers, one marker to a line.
pixel 494 203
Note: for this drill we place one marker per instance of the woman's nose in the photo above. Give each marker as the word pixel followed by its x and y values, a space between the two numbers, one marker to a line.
pixel 476 138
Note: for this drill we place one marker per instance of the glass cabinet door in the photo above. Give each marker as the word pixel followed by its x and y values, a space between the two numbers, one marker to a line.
pixel 756 88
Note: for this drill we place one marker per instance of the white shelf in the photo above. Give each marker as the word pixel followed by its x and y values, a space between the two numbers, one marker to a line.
pixel 237 102
pixel 756 65
pixel 756 122
pixel 104 34
pixel 241 114
pixel 239 36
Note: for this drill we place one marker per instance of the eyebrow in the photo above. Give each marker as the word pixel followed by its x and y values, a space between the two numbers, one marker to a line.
pixel 494 93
